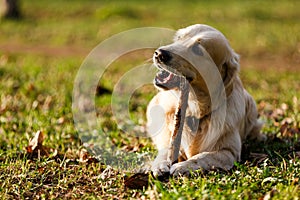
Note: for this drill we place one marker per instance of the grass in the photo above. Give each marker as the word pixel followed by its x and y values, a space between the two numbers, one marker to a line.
pixel 41 53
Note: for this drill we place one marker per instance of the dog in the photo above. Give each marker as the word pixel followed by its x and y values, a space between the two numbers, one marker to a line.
pixel 214 127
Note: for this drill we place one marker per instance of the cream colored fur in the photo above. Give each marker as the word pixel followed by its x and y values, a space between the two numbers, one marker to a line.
pixel 206 143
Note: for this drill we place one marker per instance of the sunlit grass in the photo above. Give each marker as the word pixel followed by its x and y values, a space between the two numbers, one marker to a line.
pixel 36 94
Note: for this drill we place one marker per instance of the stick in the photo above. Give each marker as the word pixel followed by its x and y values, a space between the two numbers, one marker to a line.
pixel 179 118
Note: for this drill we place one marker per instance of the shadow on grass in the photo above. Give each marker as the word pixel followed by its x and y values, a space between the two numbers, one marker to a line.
pixel 275 149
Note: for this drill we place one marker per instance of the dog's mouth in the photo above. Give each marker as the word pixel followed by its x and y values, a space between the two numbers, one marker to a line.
pixel 164 77
pixel 169 74
pixel 166 80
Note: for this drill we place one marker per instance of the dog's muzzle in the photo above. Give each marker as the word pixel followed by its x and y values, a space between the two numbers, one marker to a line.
pixel 164 78
pixel 162 56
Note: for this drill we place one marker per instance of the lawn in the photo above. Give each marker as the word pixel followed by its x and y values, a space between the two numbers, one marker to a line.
pixel 41 54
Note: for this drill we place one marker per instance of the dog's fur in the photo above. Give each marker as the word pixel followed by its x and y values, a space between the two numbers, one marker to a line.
pixel 207 142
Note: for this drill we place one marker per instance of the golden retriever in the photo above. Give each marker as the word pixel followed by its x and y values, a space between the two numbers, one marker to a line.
pixel 215 127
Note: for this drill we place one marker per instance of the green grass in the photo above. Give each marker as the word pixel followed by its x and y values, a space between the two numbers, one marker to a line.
pixel 36 83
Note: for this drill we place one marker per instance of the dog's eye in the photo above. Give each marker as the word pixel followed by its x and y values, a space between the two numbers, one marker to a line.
pixel 197 50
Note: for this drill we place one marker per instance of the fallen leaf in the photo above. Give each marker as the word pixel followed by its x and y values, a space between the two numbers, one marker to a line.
pixel 258 157
pixel 61 120
pixel 107 173
pixel 41 170
pixel 137 181
pixel 295 181
pixel 270 194
pixel 278 112
pixel 284 106
pixel 132 147
pixel 47 103
pixel 31 87
pixel 35 142
pixel 83 155
pixel 287 130
pixel 35 149
pixel 287 120
pixel 86 157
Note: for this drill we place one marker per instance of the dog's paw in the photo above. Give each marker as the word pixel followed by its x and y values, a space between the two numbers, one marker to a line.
pixel 160 168
pixel 182 168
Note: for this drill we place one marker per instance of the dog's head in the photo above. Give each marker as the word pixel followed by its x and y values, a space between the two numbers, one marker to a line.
pixel 195 48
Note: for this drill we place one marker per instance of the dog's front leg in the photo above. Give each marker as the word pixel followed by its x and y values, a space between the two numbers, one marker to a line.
pixel 160 165
pixel 221 158
pixel 206 161
pixel 160 116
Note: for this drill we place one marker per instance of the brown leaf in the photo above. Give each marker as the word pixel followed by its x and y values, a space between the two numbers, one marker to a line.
pixel 137 181
pixel 133 147
pixel 35 147
pixel 37 140
pixel 295 181
pixel 277 113
pixel 283 129
pixel 61 120
pixel 47 103
pixel 83 155
pixel 31 87
pixel 258 157
pixel 108 173
pixel 86 157
pixel 270 194
pixel 287 130
pixel 41 170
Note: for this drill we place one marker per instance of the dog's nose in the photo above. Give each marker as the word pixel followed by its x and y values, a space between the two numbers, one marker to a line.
pixel 162 55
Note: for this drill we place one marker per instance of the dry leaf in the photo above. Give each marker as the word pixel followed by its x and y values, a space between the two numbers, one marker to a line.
pixel 35 142
pixel 137 181
pixel 270 194
pixel 86 157
pixel 61 120
pixel 287 130
pixel 107 173
pixel 83 155
pixel 295 181
pixel 47 103
pixel 258 157
pixel 133 147
pixel 36 148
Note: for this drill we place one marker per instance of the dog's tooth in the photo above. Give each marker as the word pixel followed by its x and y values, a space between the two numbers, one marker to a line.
pixel 170 76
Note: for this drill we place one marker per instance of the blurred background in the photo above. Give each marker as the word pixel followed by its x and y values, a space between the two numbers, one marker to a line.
pixel 264 31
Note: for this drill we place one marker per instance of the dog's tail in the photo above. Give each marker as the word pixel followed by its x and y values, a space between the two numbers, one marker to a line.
pixel 253 125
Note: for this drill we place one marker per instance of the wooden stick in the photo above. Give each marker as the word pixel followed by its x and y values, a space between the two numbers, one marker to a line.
pixel 179 118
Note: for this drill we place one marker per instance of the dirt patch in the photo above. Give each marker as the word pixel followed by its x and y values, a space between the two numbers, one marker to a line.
pixel 43 50
pixel 282 62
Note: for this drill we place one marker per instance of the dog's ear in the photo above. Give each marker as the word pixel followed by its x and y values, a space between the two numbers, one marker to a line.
pixel 230 68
